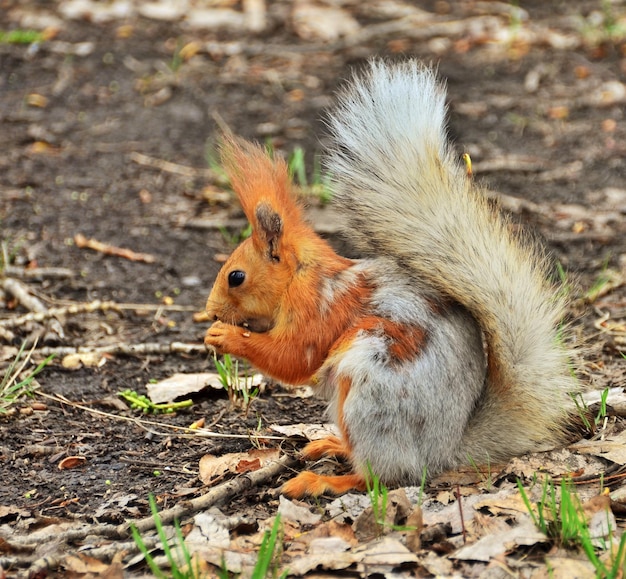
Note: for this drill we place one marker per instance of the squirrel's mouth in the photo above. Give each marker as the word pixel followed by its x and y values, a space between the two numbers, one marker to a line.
pixel 257 325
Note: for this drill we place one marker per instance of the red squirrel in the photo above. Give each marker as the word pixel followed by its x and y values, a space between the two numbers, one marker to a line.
pixel 441 345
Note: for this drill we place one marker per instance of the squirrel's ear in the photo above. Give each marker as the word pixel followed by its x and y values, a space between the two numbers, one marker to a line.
pixel 269 228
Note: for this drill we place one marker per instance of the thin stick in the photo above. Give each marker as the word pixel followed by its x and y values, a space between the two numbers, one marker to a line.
pixel 182 431
pixel 37 272
pixel 81 241
pixel 458 499
pixel 150 348
pixel 21 292
pixel 215 495
pixel 80 308
pixel 169 167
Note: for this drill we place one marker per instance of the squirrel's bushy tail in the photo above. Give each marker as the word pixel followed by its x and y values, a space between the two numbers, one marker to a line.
pixel 405 194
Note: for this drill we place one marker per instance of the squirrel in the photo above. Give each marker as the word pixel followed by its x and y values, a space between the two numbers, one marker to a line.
pixel 442 344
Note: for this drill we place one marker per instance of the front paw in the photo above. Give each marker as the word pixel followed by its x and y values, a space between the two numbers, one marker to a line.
pixel 221 337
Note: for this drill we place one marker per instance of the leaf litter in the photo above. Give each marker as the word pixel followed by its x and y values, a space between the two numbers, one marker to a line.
pixel 465 523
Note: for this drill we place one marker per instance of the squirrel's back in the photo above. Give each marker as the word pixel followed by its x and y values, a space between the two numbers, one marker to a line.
pixel 405 195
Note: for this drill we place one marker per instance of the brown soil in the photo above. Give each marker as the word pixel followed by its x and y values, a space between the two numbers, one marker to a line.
pixel 70 166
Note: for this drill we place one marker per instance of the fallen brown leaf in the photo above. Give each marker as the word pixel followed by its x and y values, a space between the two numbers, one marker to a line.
pixel 72 462
pixel 212 467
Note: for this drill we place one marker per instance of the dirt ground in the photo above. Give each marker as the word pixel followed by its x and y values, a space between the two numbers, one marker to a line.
pixel 106 129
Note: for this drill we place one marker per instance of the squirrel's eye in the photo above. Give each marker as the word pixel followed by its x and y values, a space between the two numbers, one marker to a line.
pixel 235 278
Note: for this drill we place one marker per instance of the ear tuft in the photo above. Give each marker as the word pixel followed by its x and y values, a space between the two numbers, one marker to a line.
pixel 270 228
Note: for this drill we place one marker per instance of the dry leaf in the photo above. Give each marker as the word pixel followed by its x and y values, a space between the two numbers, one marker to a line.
pixel 235 561
pixel 95 11
pixel 437 566
pixel 248 465
pixel 212 467
pixel 72 462
pixel 433 514
pixel 332 529
pixel 348 506
pixel 498 544
pixel 366 527
pixel 613 448
pixel 302 564
pixel 383 556
pixel 8 513
pixel 507 502
pixel 465 476
pixel 37 100
pixel 291 511
pixel 483 525
pixel 615 397
pixel 415 523
pixel 162 10
pixel 215 18
pixel 208 530
pixel 566 568
pixel 610 93
pixel 556 463
pixel 82 564
pixel 328 545
pixel 179 385
pixel 309 431
pixel 600 519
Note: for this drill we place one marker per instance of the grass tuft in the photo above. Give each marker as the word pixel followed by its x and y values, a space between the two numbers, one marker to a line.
pixel 16 383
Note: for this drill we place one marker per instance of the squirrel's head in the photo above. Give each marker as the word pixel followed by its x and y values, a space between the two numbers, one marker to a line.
pixel 250 286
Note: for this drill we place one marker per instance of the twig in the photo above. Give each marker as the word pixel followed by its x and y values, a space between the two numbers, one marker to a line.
pixel 108 552
pixel 458 499
pixel 37 272
pixel 214 222
pixel 80 308
pixel 81 241
pixel 127 349
pixel 43 315
pixel 170 167
pixel 567 172
pixel 21 292
pixel 24 547
pixel 182 431
pixel 6 335
pixel 215 495
pixel 36 538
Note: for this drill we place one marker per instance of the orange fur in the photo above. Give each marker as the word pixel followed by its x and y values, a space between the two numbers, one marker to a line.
pixel 277 319
pixel 283 297
pixel 405 342
pixel 310 483
pixel 329 446
pixel 438 256
pixel 344 389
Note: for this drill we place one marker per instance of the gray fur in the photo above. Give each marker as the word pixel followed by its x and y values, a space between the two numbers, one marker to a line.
pixel 404 195
pixel 401 417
